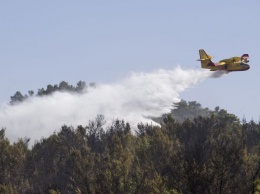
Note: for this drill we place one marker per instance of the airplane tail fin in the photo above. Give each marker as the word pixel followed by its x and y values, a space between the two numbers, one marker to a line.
pixel 244 58
pixel 205 59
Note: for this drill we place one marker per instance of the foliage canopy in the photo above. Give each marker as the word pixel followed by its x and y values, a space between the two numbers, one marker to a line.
pixel 195 150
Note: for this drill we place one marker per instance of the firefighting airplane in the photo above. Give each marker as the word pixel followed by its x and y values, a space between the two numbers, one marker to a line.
pixel 231 64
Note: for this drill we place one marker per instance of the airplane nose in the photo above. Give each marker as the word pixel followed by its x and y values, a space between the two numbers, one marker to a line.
pixel 245 66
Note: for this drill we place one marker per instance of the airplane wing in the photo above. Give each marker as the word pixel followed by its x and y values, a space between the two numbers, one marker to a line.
pixel 230 60
pixel 236 59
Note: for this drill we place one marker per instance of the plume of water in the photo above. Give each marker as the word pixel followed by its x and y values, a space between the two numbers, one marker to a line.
pixel 133 99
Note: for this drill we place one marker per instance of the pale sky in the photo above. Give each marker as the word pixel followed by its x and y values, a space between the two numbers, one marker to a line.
pixel 46 42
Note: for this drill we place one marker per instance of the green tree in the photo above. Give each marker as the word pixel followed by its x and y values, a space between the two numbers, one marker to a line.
pixel 17 98
pixel 115 162
pixel 257 187
pixel 155 155
pixel 12 165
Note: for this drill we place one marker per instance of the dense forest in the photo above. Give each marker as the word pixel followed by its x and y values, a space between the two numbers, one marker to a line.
pixel 194 151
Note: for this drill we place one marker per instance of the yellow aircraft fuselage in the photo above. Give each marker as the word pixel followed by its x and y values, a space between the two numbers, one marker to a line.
pixel 231 64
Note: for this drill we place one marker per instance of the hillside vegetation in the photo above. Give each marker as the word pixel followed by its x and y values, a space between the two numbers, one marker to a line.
pixel 195 150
